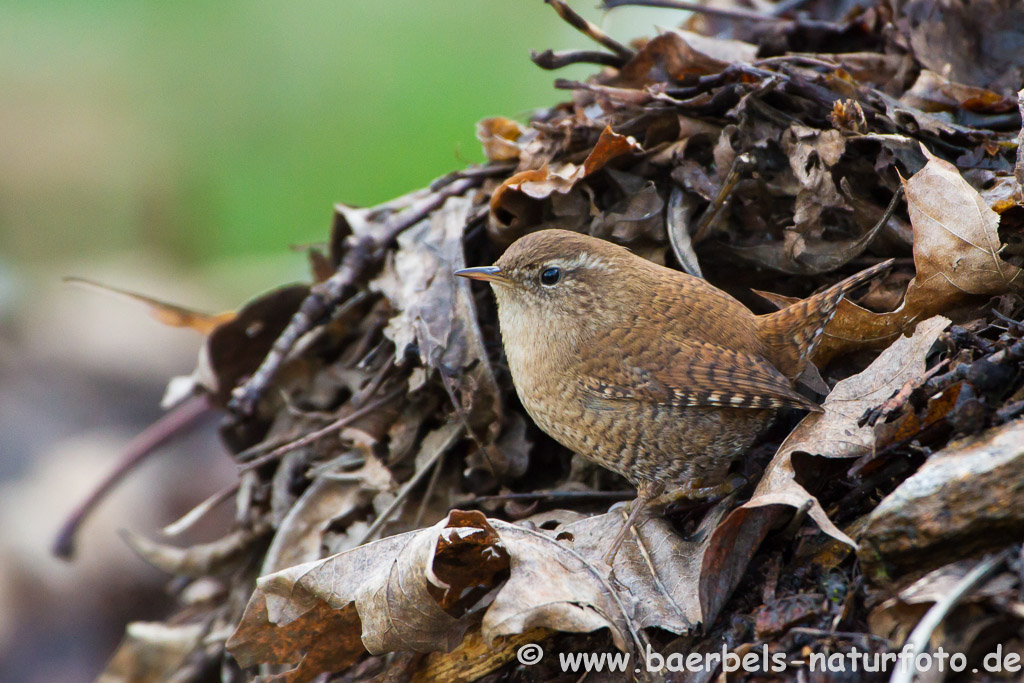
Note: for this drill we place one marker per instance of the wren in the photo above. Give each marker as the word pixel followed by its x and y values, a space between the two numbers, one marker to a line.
pixel 647 371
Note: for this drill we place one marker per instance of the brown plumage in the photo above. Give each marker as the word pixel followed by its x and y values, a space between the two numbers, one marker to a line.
pixel 650 372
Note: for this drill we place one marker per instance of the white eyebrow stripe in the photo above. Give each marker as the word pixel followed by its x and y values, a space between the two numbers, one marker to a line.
pixel 584 259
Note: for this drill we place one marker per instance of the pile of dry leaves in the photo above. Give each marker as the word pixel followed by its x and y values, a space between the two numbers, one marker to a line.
pixel 398 514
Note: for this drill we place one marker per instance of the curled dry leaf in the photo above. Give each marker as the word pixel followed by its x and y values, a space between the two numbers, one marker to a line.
pixel 503 139
pixel 514 198
pixel 956 255
pixel 437 312
pixel 681 207
pixel 234 350
pixel 931 92
pixel 832 434
pixel 658 569
pixel 415 592
pixel 896 617
pixel 169 314
pixel 552 586
pixel 198 560
pixel 300 537
pixel 812 154
pixel 151 652
pixel 678 55
pixel 971 42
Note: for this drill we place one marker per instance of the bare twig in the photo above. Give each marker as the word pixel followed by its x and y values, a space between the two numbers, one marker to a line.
pixel 740 164
pixel 676 225
pixel 186 521
pixel 557 495
pixel 590 30
pixel 733 13
pixel 630 95
pixel 486 171
pixel 312 437
pixel 324 297
pixel 551 60
pixel 408 486
pixel 171 424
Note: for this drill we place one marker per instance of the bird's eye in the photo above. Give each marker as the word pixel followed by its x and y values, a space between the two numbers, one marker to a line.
pixel 550 276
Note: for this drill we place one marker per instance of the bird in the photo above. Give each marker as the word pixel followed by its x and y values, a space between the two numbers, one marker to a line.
pixel 645 370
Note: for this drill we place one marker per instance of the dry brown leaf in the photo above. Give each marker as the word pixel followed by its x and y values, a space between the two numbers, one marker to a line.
pixel 151 653
pixel 637 218
pixel 553 586
pixel 319 640
pixel 401 593
pixel 932 92
pixel 956 255
pixel 300 536
pixel 503 139
pixel 235 349
pixel 437 312
pixel 799 255
pixel 169 314
pixel 202 559
pixel 897 616
pixel 812 154
pixel 681 207
pixel 658 570
pixel 676 55
pixel 376 597
pixel 513 200
pixel 832 434
pixel 969 41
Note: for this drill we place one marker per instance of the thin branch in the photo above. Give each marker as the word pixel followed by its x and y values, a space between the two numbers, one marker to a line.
pixel 735 14
pixel 557 495
pixel 408 486
pixel 551 60
pixel 312 437
pixel 486 171
pixel 325 296
pixel 171 424
pixel 631 95
pixel 740 164
pixel 590 30
pixel 186 521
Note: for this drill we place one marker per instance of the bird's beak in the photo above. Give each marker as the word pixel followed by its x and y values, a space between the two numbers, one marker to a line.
pixel 485 273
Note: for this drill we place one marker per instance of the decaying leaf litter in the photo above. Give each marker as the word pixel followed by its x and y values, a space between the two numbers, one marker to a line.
pixel 398 514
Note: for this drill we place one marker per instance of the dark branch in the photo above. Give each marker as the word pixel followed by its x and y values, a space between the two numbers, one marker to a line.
pixel 551 60
pixel 590 30
pixel 170 424
pixel 326 296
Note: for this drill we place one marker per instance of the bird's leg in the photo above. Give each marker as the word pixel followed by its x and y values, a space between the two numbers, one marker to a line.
pixel 645 493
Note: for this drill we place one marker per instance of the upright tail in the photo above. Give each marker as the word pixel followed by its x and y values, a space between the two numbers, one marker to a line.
pixel 792 333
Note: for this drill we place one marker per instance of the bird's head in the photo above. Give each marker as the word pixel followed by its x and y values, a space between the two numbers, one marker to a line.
pixel 559 279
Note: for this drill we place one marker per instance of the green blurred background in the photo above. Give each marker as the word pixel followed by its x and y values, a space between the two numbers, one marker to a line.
pixel 212 131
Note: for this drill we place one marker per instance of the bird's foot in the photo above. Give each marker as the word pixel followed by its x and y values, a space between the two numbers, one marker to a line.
pixel 688 505
pixel 695 495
